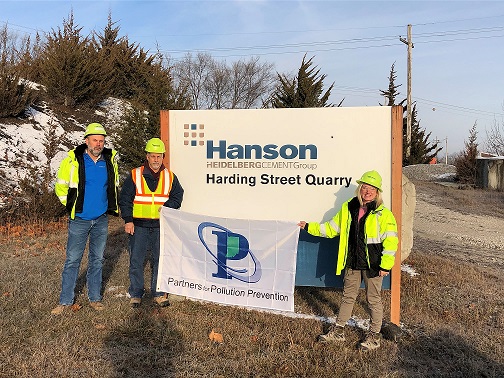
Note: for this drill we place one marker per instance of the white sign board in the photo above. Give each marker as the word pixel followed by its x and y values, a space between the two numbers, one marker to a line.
pixel 277 164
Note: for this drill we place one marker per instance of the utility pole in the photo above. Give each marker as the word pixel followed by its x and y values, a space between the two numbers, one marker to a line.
pixel 446 147
pixel 408 97
pixel 446 150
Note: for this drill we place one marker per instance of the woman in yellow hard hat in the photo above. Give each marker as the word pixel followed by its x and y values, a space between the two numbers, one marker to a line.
pixel 367 246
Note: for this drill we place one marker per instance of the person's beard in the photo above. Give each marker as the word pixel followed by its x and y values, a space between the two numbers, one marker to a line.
pixel 96 151
pixel 155 167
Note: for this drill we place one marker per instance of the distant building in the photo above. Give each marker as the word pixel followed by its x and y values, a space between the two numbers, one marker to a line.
pixel 490 171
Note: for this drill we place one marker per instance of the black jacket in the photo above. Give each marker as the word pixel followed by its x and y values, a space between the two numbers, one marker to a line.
pixel 357 239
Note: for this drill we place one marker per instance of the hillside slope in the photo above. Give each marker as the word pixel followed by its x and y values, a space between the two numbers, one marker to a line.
pixel 44 136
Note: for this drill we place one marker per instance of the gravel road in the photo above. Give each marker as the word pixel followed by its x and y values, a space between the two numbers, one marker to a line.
pixel 467 224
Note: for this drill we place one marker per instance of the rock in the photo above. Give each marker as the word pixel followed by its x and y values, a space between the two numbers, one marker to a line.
pixel 391 331
pixel 408 212
pixel 176 298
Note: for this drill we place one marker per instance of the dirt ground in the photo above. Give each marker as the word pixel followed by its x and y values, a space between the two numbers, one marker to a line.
pixel 465 224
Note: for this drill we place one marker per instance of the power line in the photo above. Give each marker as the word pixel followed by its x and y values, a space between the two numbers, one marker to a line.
pixel 461 39
pixel 358 43
pixel 459 20
pixel 288 45
pixel 454 109
pixel 458 108
pixel 461 31
pixel 346 41
pixel 421 38
pixel 8 24
pixel 178 35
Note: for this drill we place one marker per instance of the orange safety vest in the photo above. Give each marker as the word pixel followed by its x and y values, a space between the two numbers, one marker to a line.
pixel 146 203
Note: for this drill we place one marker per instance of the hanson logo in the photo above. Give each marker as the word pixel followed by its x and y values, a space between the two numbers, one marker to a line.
pixel 233 257
pixel 256 151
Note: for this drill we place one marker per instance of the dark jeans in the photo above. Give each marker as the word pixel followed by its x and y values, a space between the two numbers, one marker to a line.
pixel 143 240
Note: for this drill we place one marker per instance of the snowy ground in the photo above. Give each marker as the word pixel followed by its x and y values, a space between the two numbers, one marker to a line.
pixel 24 142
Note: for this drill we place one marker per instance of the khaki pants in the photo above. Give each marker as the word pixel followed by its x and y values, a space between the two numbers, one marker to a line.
pixel 351 285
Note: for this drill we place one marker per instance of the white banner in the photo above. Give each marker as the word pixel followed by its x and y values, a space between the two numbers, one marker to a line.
pixel 231 261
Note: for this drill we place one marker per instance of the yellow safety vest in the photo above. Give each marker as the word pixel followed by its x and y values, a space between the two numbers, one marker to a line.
pixel 146 203
pixel 380 227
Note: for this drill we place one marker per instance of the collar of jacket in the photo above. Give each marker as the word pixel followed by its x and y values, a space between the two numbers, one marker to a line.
pixel 148 171
pixel 354 204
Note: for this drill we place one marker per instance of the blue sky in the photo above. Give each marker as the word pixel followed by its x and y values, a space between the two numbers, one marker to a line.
pixel 457 59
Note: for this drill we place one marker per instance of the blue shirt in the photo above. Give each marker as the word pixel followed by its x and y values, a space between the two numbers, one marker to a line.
pixel 95 191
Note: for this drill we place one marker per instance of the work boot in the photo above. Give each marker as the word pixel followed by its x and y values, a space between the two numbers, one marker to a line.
pixel 371 341
pixel 135 302
pixel 58 310
pixel 336 333
pixel 97 306
pixel 161 301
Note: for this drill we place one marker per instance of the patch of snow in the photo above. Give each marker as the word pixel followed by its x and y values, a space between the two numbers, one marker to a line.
pixel 115 288
pixel 112 109
pixel 22 145
pixel 354 321
pixel 409 269
pixel 31 84
pixel 445 176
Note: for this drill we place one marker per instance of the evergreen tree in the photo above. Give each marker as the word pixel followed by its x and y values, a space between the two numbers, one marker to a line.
pixel 141 78
pixel 135 129
pixel 465 162
pixel 108 47
pixel 392 93
pixel 120 60
pixel 134 74
pixel 304 91
pixel 140 122
pixel 71 70
pixel 421 150
pixel 29 63
pixel 15 93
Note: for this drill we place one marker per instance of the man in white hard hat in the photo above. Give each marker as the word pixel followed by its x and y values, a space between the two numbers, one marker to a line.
pixel 87 185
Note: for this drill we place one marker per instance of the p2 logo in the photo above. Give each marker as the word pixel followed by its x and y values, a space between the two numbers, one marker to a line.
pixel 233 256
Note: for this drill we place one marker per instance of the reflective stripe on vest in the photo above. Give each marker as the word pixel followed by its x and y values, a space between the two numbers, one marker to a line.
pixel 146 203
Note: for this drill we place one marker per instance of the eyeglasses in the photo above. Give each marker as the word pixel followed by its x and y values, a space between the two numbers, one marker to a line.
pixel 368 188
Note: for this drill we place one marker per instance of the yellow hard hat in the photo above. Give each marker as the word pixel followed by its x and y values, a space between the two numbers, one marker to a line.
pixel 94 129
pixel 372 178
pixel 155 145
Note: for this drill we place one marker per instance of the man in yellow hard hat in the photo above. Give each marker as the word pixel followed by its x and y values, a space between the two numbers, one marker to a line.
pixel 144 191
pixel 87 185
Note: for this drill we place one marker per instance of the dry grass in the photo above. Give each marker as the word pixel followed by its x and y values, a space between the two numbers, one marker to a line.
pixel 453 317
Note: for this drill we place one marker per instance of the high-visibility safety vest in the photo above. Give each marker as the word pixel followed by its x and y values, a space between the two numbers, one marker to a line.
pixel 380 228
pixel 70 182
pixel 146 203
